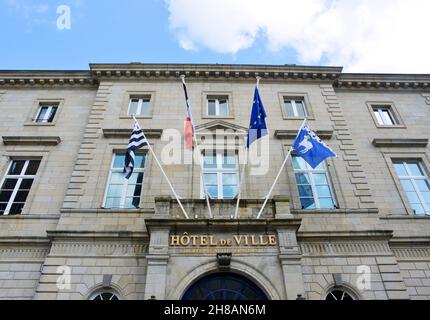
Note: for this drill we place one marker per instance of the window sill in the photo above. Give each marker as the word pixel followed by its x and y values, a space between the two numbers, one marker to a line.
pixel 304 212
pixel 298 118
pixel 405 217
pixel 391 127
pixel 137 117
pixel 217 117
pixel 34 124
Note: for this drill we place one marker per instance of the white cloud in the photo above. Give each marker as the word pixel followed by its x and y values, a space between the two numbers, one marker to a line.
pixel 362 35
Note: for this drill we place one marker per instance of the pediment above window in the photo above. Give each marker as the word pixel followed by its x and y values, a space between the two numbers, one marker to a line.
pixel 31 140
pixel 221 125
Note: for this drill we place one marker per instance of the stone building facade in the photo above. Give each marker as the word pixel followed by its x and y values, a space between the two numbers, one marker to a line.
pixel 77 233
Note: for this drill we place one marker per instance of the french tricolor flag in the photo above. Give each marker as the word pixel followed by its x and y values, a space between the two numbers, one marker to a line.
pixel 189 128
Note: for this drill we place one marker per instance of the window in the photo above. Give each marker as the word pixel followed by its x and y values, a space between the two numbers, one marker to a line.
pixel 104 295
pixel 46 113
pixel 415 184
pixel 16 186
pixel 221 174
pixel 339 294
pixel 123 193
pixel 218 106
pixel 295 107
pixel 314 185
pixel 139 106
pixel 384 115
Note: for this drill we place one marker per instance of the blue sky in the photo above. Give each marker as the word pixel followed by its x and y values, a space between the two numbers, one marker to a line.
pixel 104 31
pixel 311 32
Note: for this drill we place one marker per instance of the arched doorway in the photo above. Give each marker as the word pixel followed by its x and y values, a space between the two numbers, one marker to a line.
pixel 224 286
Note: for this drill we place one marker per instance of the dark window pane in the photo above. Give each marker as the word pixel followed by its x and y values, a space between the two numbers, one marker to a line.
pixel 16 167
pixel 305 191
pixel 136 202
pixel 26 184
pixel 52 116
pixel 3 206
pixel 16 208
pixel 9 184
pixel 5 196
pixel 21 196
pixel 307 203
pixel 32 167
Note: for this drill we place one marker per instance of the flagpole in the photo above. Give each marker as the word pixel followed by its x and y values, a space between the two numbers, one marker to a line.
pixel 162 171
pixel 279 173
pixel 242 176
pixel 199 152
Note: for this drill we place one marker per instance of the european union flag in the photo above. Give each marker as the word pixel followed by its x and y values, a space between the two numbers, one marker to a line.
pixel 257 126
pixel 311 148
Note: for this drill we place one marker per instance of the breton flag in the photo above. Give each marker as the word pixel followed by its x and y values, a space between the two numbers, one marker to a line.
pixel 137 141
pixel 188 129
pixel 257 126
pixel 311 148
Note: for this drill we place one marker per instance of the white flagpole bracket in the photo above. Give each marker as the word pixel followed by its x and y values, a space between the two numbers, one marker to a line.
pixel 163 172
pixel 279 173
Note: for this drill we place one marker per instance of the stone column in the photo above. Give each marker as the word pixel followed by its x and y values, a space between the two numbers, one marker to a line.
pixel 290 259
pixel 157 258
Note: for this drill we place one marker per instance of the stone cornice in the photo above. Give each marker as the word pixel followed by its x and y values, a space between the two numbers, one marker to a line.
pixel 46 78
pixel 125 133
pixel 383 81
pixel 99 235
pixel 214 71
pixel 315 236
pixel 31 140
pixel 400 142
pixel 226 225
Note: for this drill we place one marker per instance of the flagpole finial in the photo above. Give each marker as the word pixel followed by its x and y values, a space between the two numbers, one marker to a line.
pixel 258 80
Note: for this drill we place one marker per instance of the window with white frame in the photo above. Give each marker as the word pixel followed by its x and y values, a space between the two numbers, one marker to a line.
pixel 315 190
pixel 120 192
pixel 46 113
pixel 16 185
pixel 415 183
pixel 220 174
pixel 295 107
pixel 339 294
pixel 218 106
pixel 140 106
pixel 106 294
pixel 384 115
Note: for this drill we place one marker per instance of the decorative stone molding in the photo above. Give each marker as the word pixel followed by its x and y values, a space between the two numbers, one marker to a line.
pixel 113 248
pixel 16 254
pixel 353 243
pixel 383 81
pixel 125 133
pixel 215 71
pixel 400 142
pixel 23 249
pixel 46 78
pixel 31 140
pixel 291 134
pixel 417 253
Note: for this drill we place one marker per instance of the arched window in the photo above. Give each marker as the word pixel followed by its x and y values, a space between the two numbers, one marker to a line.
pixel 340 294
pixel 104 294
